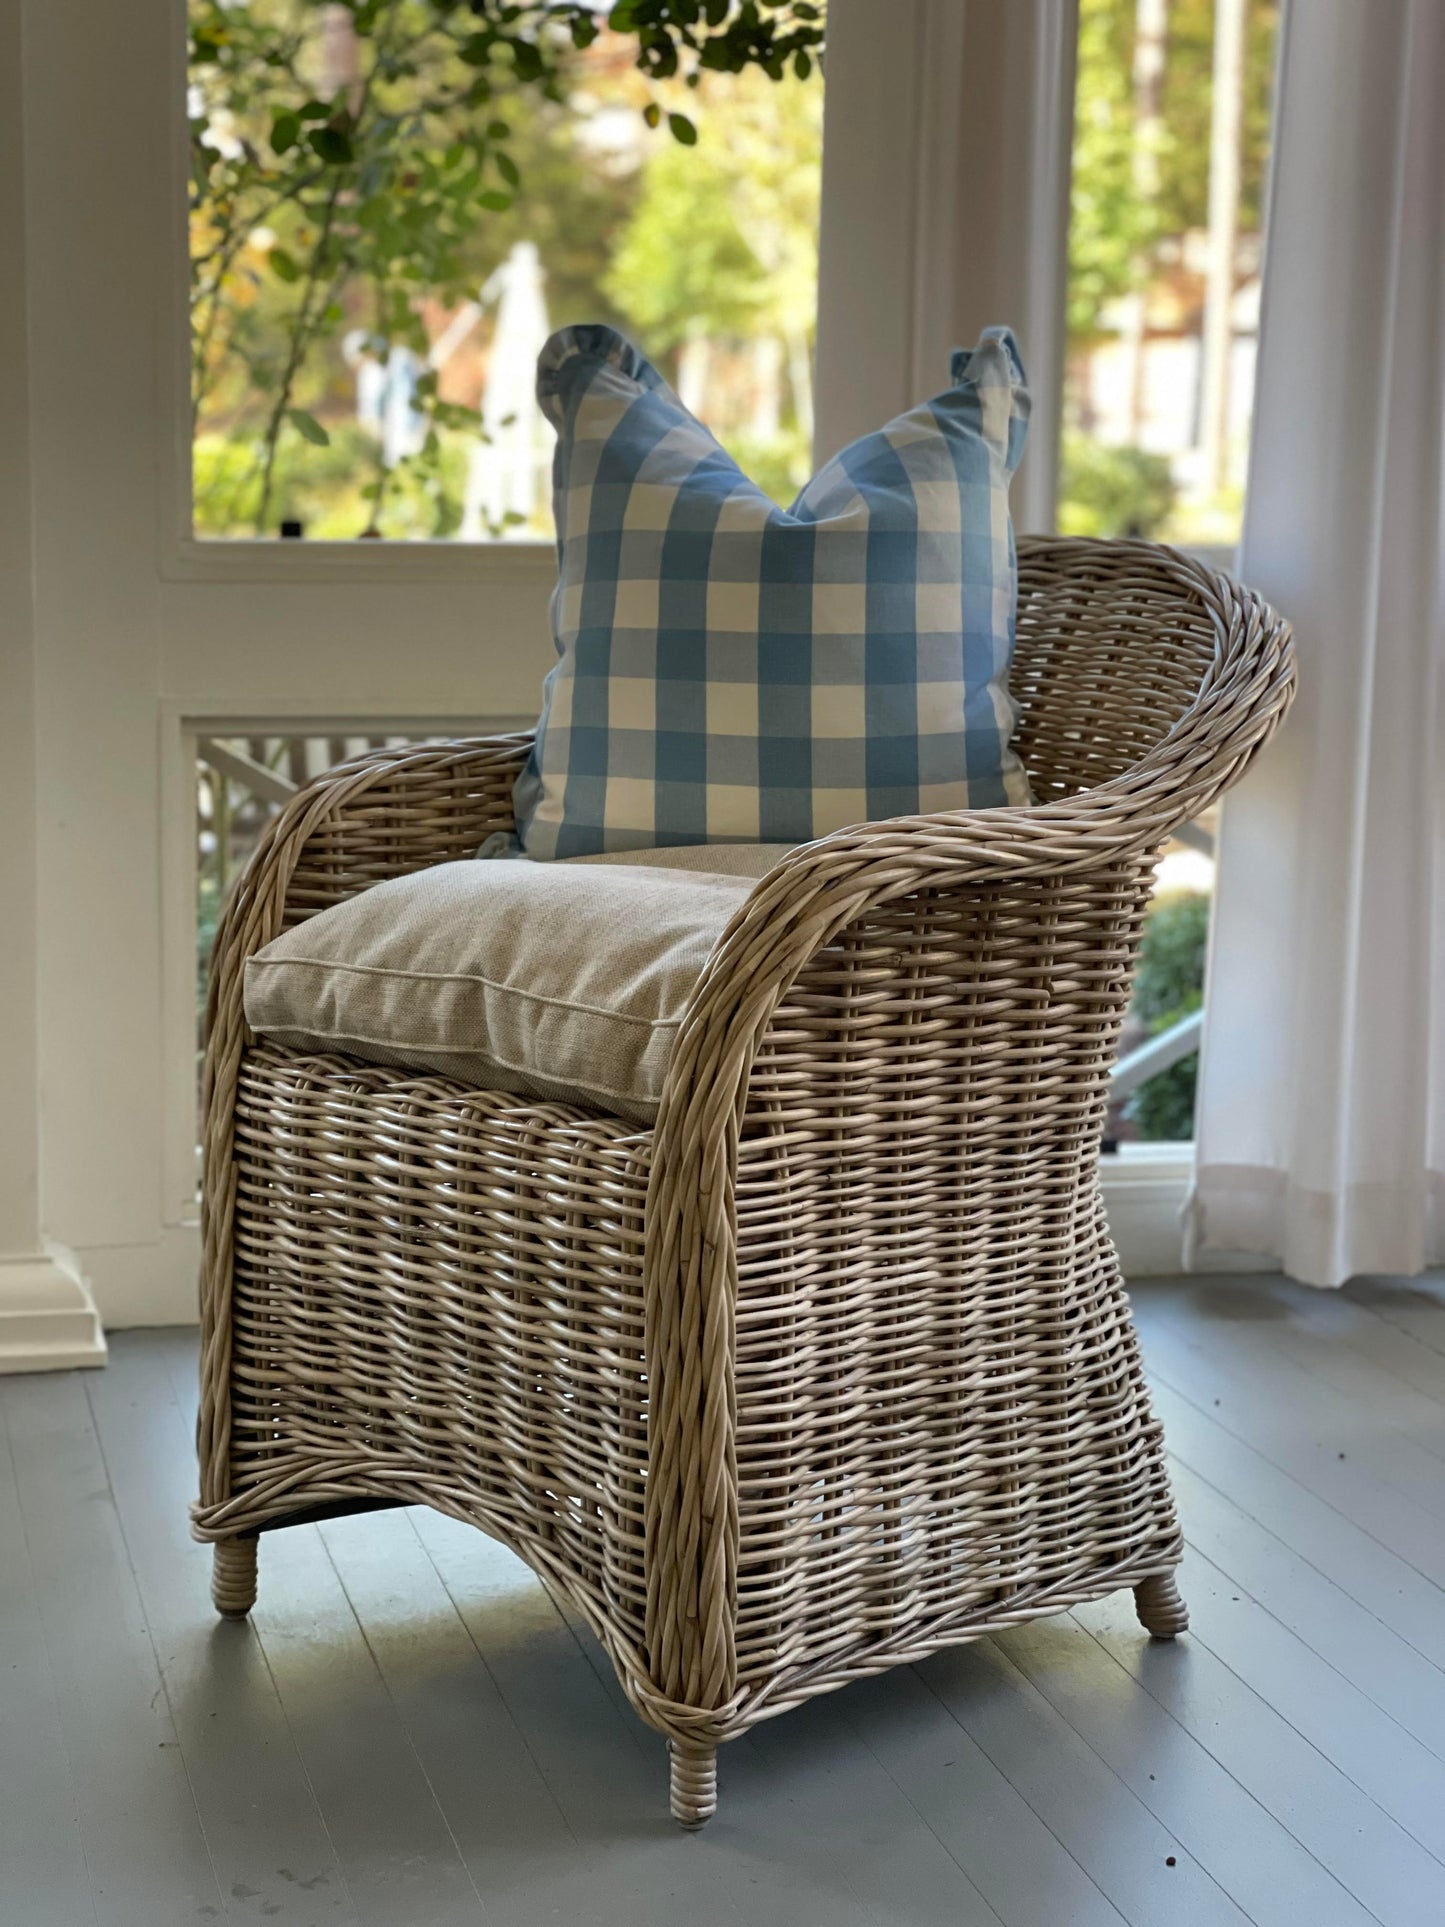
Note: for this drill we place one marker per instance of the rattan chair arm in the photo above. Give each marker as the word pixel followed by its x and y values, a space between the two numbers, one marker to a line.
pixel 795 912
pixel 386 813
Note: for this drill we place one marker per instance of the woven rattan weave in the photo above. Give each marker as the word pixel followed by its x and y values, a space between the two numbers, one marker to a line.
pixel 834 1365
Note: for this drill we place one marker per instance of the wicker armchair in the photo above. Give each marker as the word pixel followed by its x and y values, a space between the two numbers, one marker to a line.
pixel 834 1365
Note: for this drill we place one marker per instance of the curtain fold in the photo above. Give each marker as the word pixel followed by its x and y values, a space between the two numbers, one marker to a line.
pixel 1321 1124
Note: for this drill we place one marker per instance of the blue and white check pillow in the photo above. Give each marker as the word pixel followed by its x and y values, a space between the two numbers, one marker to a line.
pixel 733 672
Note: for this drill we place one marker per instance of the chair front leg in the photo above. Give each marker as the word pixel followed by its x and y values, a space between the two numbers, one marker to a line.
pixel 693 1774
pixel 1160 1606
pixel 233 1576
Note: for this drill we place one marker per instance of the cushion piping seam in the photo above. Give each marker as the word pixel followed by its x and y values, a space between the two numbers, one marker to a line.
pixel 458 977
pixel 468 1050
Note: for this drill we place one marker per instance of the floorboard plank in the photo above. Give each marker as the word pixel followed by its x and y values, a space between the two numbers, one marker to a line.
pixel 815 1767
pixel 606 1771
pixel 1147 1872
pixel 44 1869
pixel 1352 1639
pixel 1397 1594
pixel 1255 1859
pixel 531 1859
pixel 272 1853
pixel 143 1841
pixel 396 1852
pixel 814 1773
pixel 1399 1425
pixel 1415 1306
pixel 1404 1779
pixel 1308 1438
pixel 1022 1869
pixel 1341 1319
pixel 1370 1854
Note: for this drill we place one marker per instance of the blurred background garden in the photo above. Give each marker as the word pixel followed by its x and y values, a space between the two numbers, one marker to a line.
pixel 395 201
pixel 394 204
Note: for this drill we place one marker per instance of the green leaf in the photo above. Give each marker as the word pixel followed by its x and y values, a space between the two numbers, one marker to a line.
pixel 285 132
pixel 527 60
pixel 332 146
pixel 652 114
pixel 494 202
pixel 497 130
pixel 507 168
pixel 282 265
pixel 802 66
pixel 308 427
pixel 682 129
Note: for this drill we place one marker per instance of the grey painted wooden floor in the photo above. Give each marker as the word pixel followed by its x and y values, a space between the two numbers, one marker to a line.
pixel 408 1734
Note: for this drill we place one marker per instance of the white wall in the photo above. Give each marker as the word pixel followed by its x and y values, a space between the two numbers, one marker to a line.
pixel 45 1316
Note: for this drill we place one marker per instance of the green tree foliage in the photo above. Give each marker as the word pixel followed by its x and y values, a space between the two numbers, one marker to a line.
pixel 1111 229
pixel 1116 228
pixel 1170 985
pixel 346 158
pixel 1188 101
pixel 724 242
pixel 1113 491
pixel 682 265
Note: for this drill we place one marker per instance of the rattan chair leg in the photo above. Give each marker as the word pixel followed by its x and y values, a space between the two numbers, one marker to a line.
pixel 1162 1612
pixel 693 1783
pixel 233 1577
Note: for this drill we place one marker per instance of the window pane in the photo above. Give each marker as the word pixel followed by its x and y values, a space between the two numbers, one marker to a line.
pixel 241 783
pixel 366 335
pixel 1161 1030
pixel 1171 149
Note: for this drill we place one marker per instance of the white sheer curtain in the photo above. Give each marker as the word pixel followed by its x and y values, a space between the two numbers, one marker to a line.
pixel 1321 1129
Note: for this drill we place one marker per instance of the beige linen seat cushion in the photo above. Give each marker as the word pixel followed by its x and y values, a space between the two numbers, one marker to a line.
pixel 556 980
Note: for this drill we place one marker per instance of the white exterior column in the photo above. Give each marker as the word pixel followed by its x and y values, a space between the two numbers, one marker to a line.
pixel 46 1317
pixel 948 136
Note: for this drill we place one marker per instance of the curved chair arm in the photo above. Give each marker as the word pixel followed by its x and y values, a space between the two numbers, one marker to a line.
pixel 802 906
pixel 380 815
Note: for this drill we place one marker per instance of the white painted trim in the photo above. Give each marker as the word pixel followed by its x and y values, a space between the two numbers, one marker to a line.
pixel 153 1283
pixel 48 1321
pixel 181 724
pixel 265 560
pixel 1145 1186
pixel 868 264
pixel 1013 99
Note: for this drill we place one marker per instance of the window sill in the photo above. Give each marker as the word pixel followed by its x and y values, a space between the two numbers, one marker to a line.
pixel 1145 1187
pixel 277 560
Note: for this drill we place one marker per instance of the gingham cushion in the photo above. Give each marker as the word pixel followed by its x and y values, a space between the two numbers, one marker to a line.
pixel 733 672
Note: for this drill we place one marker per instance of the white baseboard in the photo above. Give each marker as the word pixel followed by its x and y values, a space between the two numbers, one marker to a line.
pixel 1145 1186
pixel 1145 1189
pixel 144 1284
pixel 48 1322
